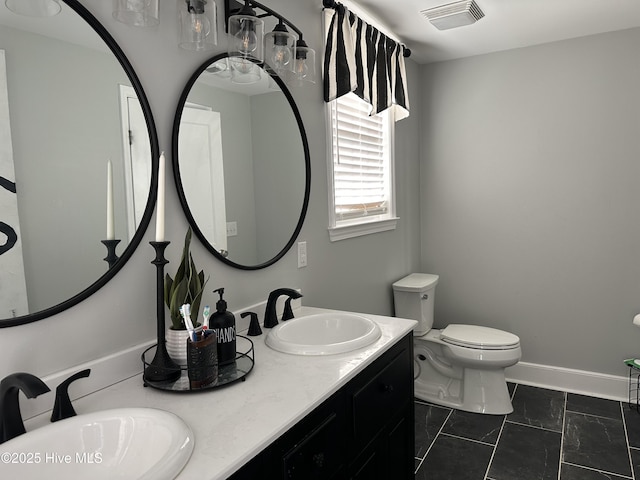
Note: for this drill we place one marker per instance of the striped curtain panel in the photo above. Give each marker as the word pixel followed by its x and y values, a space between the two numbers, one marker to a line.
pixel 359 58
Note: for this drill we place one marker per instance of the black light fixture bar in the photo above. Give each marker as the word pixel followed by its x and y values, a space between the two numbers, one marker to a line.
pixel 333 4
pixel 232 7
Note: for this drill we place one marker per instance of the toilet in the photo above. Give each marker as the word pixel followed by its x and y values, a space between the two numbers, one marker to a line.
pixel 460 366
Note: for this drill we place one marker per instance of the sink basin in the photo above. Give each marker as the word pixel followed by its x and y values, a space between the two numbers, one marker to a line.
pixel 131 443
pixel 323 334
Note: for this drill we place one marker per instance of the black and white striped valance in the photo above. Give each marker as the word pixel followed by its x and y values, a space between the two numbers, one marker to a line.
pixel 361 59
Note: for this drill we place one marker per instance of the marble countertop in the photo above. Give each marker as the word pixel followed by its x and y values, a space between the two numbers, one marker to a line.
pixel 233 424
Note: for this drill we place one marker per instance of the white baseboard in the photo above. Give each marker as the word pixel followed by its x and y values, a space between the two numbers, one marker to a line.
pixel 570 380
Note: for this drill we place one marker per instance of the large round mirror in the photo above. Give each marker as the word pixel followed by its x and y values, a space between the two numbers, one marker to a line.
pixel 241 163
pixel 77 161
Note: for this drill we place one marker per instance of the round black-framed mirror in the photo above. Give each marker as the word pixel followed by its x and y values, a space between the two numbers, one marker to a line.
pixel 130 231
pixel 241 163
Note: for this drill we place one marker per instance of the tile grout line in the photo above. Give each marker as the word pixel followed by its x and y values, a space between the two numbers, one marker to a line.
pixel 564 419
pixel 537 427
pixel 626 437
pixel 604 472
pixel 473 440
pixel 495 447
pixel 434 439
pixel 592 415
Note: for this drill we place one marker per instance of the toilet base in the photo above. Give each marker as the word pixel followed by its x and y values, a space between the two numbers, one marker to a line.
pixel 478 391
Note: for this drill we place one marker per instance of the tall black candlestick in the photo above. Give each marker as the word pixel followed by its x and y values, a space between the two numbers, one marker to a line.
pixel 162 368
pixel 111 257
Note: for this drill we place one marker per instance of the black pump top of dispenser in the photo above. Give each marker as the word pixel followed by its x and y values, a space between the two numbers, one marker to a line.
pixel 221 318
pixel 221 305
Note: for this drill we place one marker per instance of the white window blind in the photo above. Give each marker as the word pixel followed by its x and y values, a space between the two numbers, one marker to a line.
pixel 361 163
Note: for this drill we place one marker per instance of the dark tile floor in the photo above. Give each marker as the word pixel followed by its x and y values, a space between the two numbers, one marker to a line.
pixel 550 435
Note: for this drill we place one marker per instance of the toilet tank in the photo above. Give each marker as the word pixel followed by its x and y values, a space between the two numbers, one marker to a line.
pixel 413 298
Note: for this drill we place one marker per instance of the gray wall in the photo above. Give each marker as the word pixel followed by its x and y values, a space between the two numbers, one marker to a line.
pixel 353 274
pixel 529 196
pixel 278 172
pixel 60 155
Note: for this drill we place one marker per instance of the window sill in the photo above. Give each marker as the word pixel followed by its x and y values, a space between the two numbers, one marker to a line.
pixel 343 232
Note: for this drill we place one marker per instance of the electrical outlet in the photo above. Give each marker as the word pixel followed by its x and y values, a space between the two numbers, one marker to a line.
pixel 302 254
pixel 232 229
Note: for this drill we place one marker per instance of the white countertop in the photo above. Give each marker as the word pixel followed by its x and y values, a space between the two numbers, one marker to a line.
pixel 233 424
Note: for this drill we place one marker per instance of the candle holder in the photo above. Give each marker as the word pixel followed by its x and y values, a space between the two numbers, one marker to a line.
pixel 111 257
pixel 162 368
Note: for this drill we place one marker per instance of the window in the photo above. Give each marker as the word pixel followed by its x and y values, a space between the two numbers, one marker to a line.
pixel 361 197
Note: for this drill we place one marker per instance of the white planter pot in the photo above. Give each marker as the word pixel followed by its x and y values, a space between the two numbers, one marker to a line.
pixel 177 345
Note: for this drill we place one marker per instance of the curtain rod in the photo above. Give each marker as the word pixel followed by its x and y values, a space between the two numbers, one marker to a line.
pixel 333 4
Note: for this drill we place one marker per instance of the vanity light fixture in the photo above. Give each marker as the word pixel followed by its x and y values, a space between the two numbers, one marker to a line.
pixel 304 65
pixel 281 51
pixel 197 20
pixel 137 13
pixel 247 33
pixel 34 8
pixel 280 47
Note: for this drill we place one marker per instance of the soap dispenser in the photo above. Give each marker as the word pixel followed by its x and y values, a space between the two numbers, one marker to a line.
pixel 224 324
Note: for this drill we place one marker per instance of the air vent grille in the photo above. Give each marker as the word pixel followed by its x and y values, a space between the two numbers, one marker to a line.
pixel 454 14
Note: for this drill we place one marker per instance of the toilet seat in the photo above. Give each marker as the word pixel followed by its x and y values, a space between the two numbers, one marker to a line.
pixel 480 338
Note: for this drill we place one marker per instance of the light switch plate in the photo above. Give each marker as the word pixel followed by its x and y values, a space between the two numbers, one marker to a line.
pixel 232 229
pixel 302 254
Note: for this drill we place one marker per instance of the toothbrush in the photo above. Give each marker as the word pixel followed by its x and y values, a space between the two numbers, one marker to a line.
pixel 185 311
pixel 206 313
pixel 192 331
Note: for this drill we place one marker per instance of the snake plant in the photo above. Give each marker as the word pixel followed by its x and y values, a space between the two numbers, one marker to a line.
pixel 186 287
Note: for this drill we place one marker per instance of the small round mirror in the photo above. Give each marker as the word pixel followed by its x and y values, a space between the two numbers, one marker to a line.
pixel 241 162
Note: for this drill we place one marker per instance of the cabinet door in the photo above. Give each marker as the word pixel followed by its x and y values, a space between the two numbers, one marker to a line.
pixel 370 465
pixel 386 390
pixel 319 455
pixel 400 440
pixel 390 455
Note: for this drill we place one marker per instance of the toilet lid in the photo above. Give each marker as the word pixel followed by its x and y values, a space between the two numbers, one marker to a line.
pixel 474 336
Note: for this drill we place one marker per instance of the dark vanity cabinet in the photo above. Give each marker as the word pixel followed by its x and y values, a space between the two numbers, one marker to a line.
pixel 363 431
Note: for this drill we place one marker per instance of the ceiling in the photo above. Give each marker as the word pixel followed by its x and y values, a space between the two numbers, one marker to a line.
pixel 507 24
pixel 66 26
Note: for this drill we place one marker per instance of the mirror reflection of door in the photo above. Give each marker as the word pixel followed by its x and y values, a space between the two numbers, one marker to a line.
pixel 136 152
pixel 203 181
pixel 13 288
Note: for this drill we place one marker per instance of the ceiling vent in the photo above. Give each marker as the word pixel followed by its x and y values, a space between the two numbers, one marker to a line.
pixel 452 15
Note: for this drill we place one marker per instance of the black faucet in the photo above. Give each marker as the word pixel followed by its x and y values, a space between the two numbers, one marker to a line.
pixel 10 417
pixel 270 317
pixel 62 407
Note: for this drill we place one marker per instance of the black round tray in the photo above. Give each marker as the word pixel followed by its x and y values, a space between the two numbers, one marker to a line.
pixel 227 374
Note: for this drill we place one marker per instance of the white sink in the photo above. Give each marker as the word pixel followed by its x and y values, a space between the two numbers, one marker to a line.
pixel 126 443
pixel 323 334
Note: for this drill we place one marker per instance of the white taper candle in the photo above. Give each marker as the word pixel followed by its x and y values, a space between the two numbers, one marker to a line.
pixel 111 233
pixel 160 200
